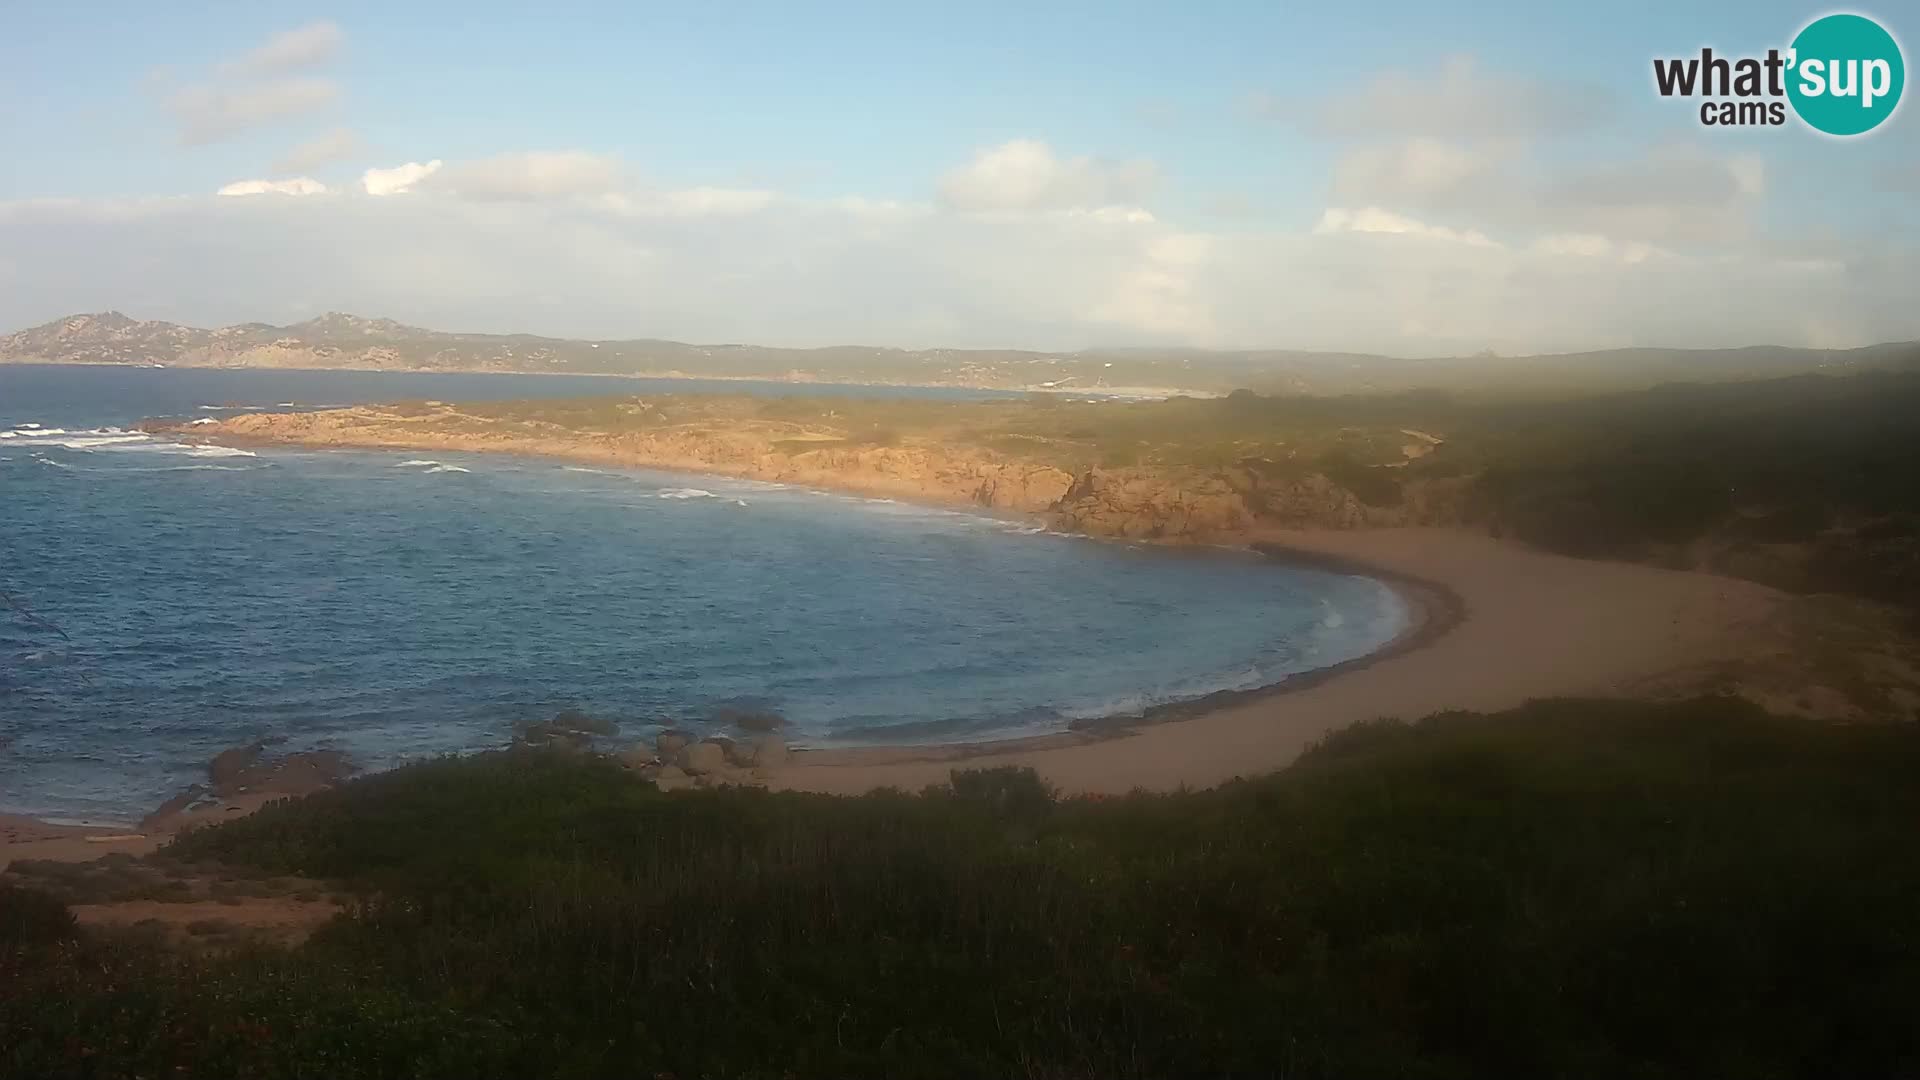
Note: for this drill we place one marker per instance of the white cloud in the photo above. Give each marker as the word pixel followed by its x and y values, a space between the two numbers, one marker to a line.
pixel 299 185
pixel 210 113
pixel 1593 246
pixel 1678 195
pixel 1423 172
pixel 336 145
pixel 1026 174
pixel 688 202
pixel 306 46
pixel 254 89
pixel 1159 295
pixel 1457 100
pixel 1372 219
pixel 398 180
pixel 819 272
pixel 534 174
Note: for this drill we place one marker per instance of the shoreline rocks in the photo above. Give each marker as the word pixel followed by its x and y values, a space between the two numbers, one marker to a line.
pixel 1170 503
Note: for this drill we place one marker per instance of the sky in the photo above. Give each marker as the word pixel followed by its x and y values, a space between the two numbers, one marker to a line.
pixel 1396 177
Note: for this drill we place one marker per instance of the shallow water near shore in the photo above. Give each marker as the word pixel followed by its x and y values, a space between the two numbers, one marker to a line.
pixel 395 605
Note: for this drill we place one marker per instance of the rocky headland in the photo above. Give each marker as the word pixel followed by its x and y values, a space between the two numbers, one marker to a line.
pixel 1164 502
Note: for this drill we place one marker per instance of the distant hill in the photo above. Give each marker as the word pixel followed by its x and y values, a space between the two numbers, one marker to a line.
pixel 338 340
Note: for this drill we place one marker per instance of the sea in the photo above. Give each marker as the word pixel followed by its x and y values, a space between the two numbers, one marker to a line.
pixel 164 601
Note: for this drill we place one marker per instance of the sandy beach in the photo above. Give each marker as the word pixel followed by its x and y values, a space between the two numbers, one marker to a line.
pixel 1532 625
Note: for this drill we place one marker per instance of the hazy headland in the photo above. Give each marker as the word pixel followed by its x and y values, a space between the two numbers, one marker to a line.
pixel 345 341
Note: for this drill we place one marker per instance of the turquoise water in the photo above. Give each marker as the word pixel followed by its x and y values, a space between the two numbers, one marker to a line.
pixel 396 605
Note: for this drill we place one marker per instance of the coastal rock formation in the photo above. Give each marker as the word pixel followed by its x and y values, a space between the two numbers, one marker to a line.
pixel 240 769
pixel 1151 504
pixel 702 757
pixel 763 752
pixel 1169 503
pixel 671 778
pixel 229 767
pixel 1018 487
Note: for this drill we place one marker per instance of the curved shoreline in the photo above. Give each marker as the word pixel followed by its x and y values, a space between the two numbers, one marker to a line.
pixel 1541 625
pixel 1205 741
pixel 1434 609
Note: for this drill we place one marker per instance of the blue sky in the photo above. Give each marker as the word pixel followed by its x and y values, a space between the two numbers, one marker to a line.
pixel 1230 149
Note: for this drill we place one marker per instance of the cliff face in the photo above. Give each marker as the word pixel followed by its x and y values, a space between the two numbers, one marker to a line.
pixel 1152 503
pixel 1200 504
pixel 1147 502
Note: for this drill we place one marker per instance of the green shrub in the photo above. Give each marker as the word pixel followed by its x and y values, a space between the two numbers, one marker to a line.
pixel 1007 790
pixel 1572 888
pixel 32 917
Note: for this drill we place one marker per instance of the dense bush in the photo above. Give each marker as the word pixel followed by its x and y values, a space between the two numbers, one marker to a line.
pixel 1569 889
pixel 30 917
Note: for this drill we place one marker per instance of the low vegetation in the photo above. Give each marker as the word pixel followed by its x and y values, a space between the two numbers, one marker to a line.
pixel 1805 483
pixel 1572 888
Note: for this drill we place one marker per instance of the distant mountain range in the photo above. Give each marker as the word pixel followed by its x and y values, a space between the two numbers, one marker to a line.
pixel 337 340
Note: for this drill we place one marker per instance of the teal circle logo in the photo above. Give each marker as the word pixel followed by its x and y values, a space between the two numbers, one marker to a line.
pixel 1846 74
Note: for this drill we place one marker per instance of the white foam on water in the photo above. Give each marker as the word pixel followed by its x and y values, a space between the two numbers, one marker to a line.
pixel 685 493
pixel 113 438
pixel 1139 702
pixel 90 442
pixel 26 427
pixel 197 468
pixel 203 420
pixel 584 469
pixel 1332 620
pixel 448 468
pixel 416 463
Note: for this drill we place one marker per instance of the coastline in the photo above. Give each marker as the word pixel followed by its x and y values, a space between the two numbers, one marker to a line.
pixel 1119 393
pixel 907 474
pixel 1433 610
pixel 1476 605
pixel 1506 625
pixel 1498 625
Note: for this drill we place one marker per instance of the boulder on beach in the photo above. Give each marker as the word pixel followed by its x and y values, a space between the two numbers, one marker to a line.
pixel 244 768
pixel 739 754
pixel 668 744
pixel 702 757
pixel 766 752
pixel 671 778
pixel 230 765
pixel 635 757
